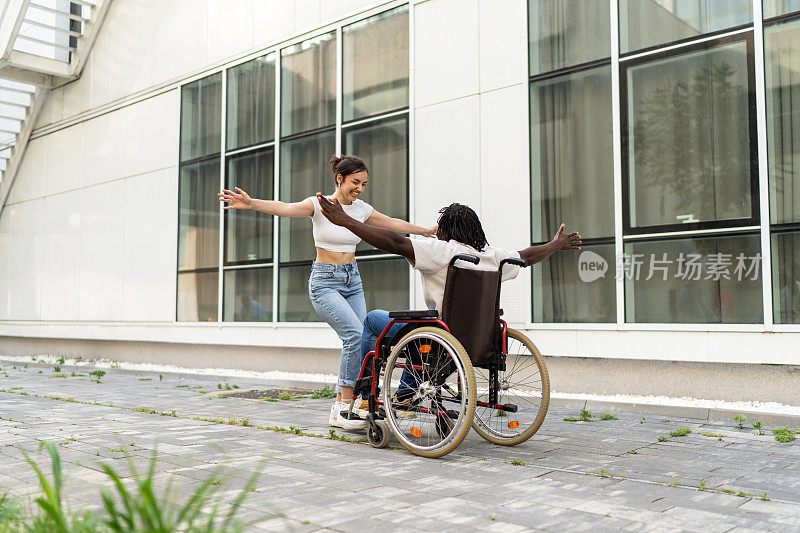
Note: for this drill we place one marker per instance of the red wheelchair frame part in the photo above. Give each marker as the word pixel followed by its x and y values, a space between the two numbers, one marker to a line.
pixel 370 357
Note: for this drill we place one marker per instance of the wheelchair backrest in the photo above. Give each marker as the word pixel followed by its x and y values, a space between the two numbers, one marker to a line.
pixel 471 309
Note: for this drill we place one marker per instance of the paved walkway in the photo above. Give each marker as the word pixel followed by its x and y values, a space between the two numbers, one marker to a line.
pixel 598 475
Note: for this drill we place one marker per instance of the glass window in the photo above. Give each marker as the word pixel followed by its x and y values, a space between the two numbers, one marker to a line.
pixel 308 85
pixel 576 286
pixel 375 64
pixel 385 283
pixel 201 108
pixel 248 234
pixel 786 278
pixel 384 147
pixel 564 33
pixel 646 23
pixel 689 132
pixel 304 171
pixel 251 102
pixel 293 302
pixel 571 154
pixel 782 63
pixel 708 280
pixel 247 295
pixel 198 216
pixel 198 296
pixel 773 8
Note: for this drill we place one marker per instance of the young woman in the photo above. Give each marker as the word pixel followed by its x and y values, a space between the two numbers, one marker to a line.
pixel 335 284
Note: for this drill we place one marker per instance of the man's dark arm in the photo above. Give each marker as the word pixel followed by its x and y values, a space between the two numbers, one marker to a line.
pixel 380 238
pixel 540 252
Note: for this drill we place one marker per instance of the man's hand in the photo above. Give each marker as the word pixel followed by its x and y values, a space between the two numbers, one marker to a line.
pixel 238 199
pixel 567 242
pixel 333 210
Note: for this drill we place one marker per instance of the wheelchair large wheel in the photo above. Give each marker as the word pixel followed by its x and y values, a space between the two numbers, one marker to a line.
pixel 431 414
pixel 524 383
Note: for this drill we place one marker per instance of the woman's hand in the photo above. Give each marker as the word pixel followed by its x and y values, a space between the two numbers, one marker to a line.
pixel 238 199
pixel 430 232
pixel 567 242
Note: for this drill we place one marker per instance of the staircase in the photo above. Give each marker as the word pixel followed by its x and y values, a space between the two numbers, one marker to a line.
pixel 44 44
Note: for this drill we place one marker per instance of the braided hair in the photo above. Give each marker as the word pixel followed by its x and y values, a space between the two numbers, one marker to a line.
pixel 460 223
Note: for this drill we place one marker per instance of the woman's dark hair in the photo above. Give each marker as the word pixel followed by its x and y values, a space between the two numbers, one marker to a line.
pixel 460 223
pixel 346 165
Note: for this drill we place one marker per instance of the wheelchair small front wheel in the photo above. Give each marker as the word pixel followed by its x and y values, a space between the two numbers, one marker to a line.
pixel 429 392
pixel 379 436
pixel 524 384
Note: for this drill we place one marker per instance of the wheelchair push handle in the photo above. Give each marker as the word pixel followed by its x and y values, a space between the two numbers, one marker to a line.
pixel 465 257
pixel 512 261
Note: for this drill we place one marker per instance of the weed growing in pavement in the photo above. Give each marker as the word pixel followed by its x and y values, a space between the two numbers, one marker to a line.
pixel 764 497
pixel 245 422
pixel 517 462
pixel 680 432
pixel 98 373
pixel 702 486
pixel 757 426
pixel 56 368
pixel 633 452
pixel 58 376
pixel 740 419
pixel 268 399
pixel 286 395
pixel 662 438
pixel 572 419
pixel 160 377
pixel 673 483
pixel 585 415
pixel 783 434
pixel 324 393
pixel 182 386
pixel 60 361
pixel 607 416
pixel 713 435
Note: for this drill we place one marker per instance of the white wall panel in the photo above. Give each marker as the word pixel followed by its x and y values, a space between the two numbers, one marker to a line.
pixel 271 21
pixel 5 259
pixel 30 182
pixel 150 246
pixel 503 43
pixel 61 256
pixel 307 14
pixel 504 186
pixel 230 29
pixel 331 10
pixel 445 50
pixel 180 37
pixel 78 94
pixel 446 157
pixel 25 272
pixel 64 160
pixel 153 128
pixel 53 107
pixel 102 219
pixel 103 148
pixel 123 58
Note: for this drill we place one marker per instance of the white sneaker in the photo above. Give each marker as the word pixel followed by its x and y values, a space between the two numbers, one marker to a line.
pixel 354 422
pixel 335 408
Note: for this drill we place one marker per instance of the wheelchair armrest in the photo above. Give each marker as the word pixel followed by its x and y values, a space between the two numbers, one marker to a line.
pixel 425 313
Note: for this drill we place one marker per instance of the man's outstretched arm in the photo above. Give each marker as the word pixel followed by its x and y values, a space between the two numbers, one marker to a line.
pixel 380 238
pixel 534 254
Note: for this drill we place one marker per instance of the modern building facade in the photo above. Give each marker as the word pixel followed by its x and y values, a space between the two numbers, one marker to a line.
pixel 665 131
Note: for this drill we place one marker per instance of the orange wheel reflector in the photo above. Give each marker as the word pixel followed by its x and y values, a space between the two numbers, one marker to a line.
pixel 425 348
pixel 416 432
pixel 513 424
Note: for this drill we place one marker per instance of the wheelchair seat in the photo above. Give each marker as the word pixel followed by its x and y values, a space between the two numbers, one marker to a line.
pixel 411 315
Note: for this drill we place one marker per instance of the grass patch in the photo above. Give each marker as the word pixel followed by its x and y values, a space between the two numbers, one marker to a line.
pixel 783 434
pixel 680 432
pixel 607 416
pixel 572 419
pixel 662 438
pixel 585 415
pixel 325 393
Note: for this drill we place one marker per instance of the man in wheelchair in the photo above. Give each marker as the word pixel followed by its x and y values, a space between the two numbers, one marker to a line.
pixel 459 232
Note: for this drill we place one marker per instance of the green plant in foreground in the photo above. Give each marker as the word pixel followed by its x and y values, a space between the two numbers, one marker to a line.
pixel 585 415
pixel 662 438
pixel 702 486
pixel 783 434
pixel 607 416
pixel 757 425
pixel 680 432
pixel 673 483
pixel 324 393
pixel 98 373
pixel 741 419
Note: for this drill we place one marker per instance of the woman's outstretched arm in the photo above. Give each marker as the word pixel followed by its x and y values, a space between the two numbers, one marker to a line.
pixel 400 226
pixel 242 200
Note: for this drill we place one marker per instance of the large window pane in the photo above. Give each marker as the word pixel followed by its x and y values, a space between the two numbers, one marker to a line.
pixel 247 295
pixel 786 278
pixel 564 33
pixel 198 216
pixel 375 64
pixel 201 108
pixel 384 147
pixel 689 138
pixel 293 302
pixel 571 154
pixel 308 85
pixel 782 58
pixel 701 280
pixel 385 283
pixel 304 171
pixel 773 8
pixel 197 296
pixel 251 102
pixel 248 234
pixel 576 286
pixel 645 23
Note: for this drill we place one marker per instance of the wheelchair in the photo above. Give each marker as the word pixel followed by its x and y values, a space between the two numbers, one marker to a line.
pixel 442 376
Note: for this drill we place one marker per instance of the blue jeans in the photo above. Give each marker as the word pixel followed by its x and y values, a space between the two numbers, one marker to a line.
pixel 338 298
pixel 374 325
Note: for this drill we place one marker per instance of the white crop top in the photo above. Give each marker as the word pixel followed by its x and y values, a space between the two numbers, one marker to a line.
pixel 333 238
